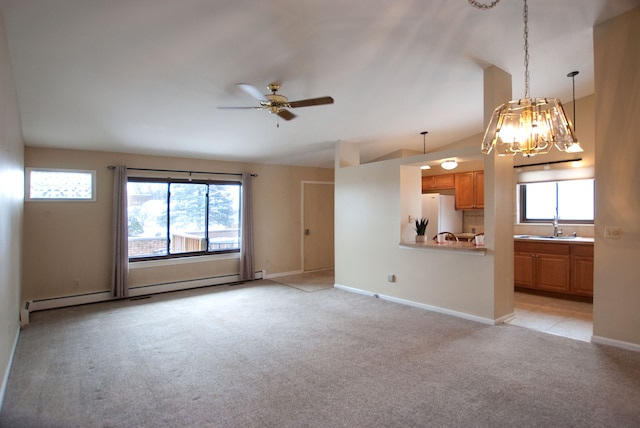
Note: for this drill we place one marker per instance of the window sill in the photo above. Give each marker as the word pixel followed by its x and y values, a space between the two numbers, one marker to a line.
pixel 183 260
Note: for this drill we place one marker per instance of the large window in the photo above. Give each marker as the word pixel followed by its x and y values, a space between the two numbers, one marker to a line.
pixel 572 201
pixel 174 218
pixel 60 185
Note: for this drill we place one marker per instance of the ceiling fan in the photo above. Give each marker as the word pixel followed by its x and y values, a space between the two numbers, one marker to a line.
pixel 276 103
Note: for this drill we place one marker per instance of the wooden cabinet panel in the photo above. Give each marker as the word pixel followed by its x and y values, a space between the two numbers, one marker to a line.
pixel 524 270
pixel 465 191
pixel 438 182
pixel 542 247
pixel 553 272
pixel 479 185
pixel 582 270
pixel 469 190
pixel 554 266
pixel 582 281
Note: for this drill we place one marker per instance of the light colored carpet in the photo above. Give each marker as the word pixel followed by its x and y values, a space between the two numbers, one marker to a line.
pixel 268 355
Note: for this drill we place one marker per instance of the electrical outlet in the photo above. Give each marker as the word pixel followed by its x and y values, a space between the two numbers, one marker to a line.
pixel 391 278
pixel 612 232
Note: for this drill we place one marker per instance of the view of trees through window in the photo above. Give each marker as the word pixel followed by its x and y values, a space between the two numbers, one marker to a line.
pixel 169 218
pixel 571 200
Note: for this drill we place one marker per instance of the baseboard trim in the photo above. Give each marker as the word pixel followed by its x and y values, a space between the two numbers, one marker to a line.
pixel 143 290
pixel 7 370
pixel 422 305
pixel 599 340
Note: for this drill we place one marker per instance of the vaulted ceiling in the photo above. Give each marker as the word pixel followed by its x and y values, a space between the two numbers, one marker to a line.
pixel 148 76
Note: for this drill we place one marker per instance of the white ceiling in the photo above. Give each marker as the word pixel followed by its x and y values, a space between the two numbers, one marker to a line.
pixel 147 76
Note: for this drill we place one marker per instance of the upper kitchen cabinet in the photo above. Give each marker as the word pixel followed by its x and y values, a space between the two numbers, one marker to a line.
pixel 469 190
pixel 437 182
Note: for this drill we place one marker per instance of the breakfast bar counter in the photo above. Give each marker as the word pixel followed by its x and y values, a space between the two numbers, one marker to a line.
pixel 451 246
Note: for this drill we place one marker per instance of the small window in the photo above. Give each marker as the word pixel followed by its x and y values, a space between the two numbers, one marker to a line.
pixel 572 201
pixel 60 185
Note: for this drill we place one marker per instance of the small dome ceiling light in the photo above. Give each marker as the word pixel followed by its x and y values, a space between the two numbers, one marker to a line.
pixel 449 164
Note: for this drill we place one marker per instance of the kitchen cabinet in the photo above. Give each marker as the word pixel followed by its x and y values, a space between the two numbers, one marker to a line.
pixel 559 267
pixel 437 182
pixel 469 190
pixel 582 270
pixel 543 266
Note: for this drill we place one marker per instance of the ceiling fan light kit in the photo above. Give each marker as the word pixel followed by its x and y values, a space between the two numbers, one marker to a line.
pixel 276 103
pixel 529 126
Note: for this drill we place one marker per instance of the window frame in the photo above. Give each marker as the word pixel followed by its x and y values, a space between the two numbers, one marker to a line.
pixel 183 255
pixel 522 205
pixel 27 184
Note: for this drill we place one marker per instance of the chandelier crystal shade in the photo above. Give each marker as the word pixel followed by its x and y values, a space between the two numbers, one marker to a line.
pixel 530 126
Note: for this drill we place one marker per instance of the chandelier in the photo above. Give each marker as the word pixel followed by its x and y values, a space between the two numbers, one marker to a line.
pixel 530 126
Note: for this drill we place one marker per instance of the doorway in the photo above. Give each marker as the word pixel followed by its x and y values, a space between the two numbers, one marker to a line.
pixel 317 225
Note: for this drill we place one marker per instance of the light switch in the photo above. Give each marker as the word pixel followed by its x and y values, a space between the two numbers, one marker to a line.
pixel 612 232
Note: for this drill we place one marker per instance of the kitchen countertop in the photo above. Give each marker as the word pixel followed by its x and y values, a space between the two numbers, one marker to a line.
pixel 567 240
pixel 453 246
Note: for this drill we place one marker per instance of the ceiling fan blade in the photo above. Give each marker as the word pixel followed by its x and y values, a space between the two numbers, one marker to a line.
pixel 286 114
pixel 253 91
pixel 240 108
pixel 311 102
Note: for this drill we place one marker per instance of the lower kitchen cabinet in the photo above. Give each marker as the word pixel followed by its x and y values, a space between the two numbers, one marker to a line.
pixel 554 266
pixel 582 270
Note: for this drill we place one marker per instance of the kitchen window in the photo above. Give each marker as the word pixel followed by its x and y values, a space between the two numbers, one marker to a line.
pixel 169 218
pixel 572 201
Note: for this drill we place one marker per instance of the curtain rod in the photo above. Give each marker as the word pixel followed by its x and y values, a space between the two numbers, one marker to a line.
pixel 548 163
pixel 184 171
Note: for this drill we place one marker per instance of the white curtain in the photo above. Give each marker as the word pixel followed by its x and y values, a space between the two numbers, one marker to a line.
pixel 120 269
pixel 247 268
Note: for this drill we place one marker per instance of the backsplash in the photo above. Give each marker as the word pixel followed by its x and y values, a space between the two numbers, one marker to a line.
pixel 473 221
pixel 585 231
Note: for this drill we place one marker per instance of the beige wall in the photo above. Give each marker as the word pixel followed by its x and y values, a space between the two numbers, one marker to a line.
pixel 367 244
pixel 617 272
pixel 11 203
pixel 67 244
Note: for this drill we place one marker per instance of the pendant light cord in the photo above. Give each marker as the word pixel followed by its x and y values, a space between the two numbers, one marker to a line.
pixel 483 6
pixel 526 49
pixel 573 80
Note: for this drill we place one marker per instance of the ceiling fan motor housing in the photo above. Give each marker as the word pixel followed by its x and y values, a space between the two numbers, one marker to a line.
pixel 276 102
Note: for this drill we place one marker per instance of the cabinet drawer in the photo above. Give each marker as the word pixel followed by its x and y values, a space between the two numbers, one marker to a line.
pixel 585 250
pixel 541 247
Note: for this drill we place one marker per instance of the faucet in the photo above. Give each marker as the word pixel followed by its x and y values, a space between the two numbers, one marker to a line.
pixel 556 231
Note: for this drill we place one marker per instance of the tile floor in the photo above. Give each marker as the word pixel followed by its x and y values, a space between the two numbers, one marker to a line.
pixel 309 281
pixel 561 317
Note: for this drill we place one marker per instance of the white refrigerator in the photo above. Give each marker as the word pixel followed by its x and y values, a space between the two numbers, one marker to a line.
pixel 442 214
